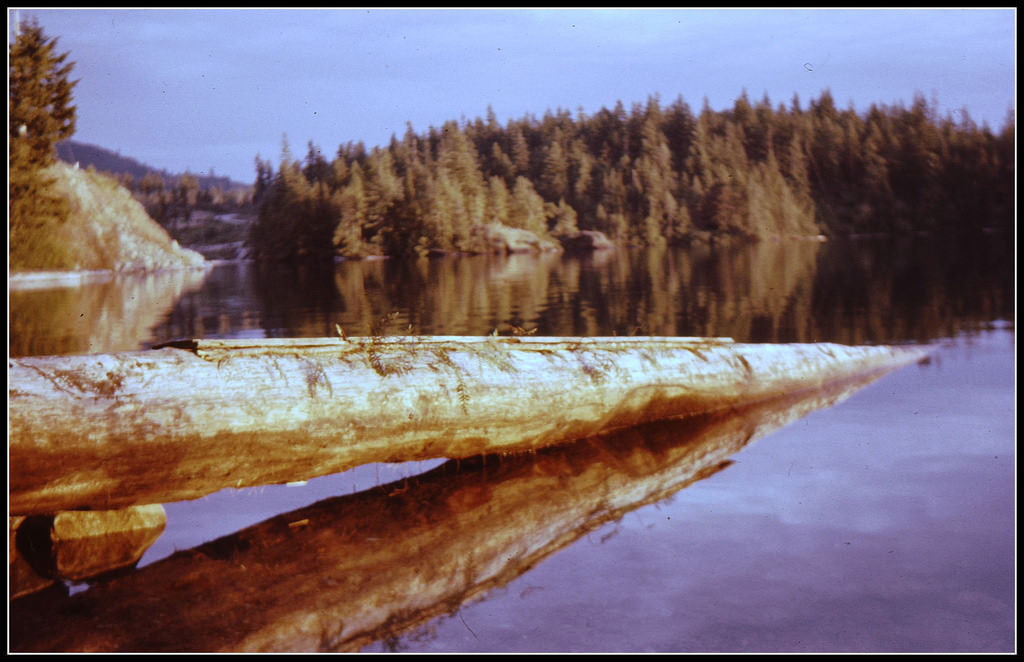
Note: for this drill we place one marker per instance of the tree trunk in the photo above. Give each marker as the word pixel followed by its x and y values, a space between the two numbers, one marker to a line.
pixel 109 431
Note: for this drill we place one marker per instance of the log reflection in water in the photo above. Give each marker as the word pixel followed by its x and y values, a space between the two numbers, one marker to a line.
pixel 348 571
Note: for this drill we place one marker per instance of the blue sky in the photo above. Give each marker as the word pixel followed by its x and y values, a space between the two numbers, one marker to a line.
pixel 201 89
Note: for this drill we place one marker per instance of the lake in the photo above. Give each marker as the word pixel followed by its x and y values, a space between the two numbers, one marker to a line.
pixel 884 522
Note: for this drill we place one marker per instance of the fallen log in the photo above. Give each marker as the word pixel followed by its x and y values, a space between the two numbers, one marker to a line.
pixel 179 422
pixel 351 570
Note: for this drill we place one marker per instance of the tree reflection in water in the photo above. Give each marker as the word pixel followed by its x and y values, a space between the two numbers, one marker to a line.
pixel 852 292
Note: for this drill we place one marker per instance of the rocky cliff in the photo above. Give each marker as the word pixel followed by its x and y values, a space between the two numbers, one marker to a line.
pixel 109 230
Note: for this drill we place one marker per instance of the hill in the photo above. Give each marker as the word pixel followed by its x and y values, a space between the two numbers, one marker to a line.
pixel 107 229
pixel 104 160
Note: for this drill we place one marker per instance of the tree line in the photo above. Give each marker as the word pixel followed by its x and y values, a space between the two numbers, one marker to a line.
pixel 649 176
pixel 173 200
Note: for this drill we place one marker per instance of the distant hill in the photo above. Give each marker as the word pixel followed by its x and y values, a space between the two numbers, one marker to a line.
pixel 104 160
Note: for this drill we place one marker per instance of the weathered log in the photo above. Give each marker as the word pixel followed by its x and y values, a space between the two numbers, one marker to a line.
pixel 109 431
pixel 351 570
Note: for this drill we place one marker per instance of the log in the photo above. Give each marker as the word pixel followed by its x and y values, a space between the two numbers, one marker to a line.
pixel 351 570
pixel 179 422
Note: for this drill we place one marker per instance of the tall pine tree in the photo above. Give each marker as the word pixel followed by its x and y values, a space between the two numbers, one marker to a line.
pixel 40 114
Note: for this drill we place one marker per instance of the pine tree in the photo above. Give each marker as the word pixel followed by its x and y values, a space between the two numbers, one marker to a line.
pixel 581 174
pixel 40 110
pixel 561 219
pixel 497 201
pixel 526 208
pixel 40 114
pixel 554 182
pixel 264 180
pixel 348 234
pixel 656 182
pixel 501 164
pixel 520 150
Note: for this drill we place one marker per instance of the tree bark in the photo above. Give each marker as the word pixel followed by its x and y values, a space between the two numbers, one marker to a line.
pixel 109 431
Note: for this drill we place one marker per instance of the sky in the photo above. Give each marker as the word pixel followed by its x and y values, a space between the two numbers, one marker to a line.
pixel 211 89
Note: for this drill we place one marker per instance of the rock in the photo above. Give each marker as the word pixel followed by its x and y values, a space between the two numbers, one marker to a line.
pixel 22 578
pixel 79 544
pixel 108 229
pixel 498 238
pixel 586 240
pixel 89 543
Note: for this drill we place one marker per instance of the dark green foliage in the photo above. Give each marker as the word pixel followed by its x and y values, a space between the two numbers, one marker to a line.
pixel 40 110
pixel 40 114
pixel 648 176
pixel 297 217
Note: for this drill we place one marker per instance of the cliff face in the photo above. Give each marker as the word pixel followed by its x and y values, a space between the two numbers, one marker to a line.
pixel 108 229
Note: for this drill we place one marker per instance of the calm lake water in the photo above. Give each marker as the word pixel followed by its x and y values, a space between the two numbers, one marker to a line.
pixel 883 523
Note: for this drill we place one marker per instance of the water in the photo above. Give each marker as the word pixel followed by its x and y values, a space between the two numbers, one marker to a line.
pixel 851 292
pixel 883 523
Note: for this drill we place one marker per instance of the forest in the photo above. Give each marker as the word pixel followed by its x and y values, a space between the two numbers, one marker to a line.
pixel 648 176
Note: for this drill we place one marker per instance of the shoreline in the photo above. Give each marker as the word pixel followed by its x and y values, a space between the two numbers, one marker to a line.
pixel 39 280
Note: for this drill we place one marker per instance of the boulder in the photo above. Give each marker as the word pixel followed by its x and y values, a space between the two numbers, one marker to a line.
pixel 498 238
pixel 78 545
pixel 586 240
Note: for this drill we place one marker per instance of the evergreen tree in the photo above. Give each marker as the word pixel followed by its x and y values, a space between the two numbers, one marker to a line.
pixel 581 169
pixel 497 201
pixel 353 212
pixel 40 114
pixel 561 219
pixel 264 179
pixel 680 125
pixel 466 200
pixel 40 95
pixel 520 150
pixel 656 178
pixel 501 164
pixel 554 182
pixel 526 208
pixel 316 167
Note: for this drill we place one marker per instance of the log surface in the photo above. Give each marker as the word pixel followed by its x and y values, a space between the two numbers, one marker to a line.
pixel 179 422
pixel 350 570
